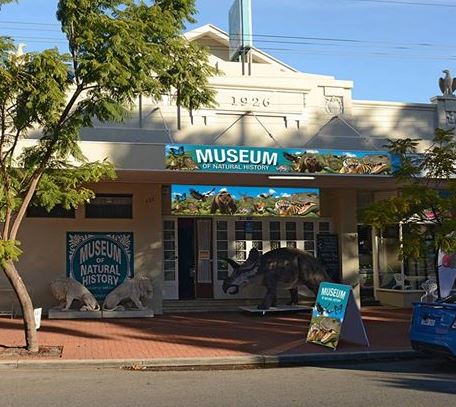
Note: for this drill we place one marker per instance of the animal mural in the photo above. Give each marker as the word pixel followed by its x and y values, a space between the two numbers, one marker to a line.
pixel 326 331
pixel 284 267
pixel 244 201
pixel 295 208
pixel 303 162
pixel 224 203
pixel 264 160
pixel 178 159
pixel 307 162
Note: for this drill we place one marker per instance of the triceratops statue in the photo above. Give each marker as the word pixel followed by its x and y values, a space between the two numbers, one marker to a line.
pixel 285 268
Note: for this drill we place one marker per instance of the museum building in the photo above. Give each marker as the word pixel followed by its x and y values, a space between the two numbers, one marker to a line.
pixel 285 159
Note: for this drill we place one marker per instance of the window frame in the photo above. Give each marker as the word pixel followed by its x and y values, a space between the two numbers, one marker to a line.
pixel 109 216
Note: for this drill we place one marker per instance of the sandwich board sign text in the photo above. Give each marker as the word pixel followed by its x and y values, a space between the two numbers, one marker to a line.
pixel 335 316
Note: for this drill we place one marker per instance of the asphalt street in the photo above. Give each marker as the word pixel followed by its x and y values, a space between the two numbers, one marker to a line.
pixel 395 383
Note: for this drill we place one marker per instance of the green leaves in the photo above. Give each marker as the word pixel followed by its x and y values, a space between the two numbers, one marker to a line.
pixel 124 48
pixel 118 49
pixel 41 88
pixel 9 251
pixel 66 186
pixel 6 2
pixel 426 203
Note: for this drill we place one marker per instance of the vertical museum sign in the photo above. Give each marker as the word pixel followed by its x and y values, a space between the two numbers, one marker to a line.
pixel 100 260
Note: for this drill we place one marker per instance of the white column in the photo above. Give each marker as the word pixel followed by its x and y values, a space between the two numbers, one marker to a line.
pixel 341 206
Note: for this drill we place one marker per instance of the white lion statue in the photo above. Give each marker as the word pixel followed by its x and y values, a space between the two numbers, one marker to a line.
pixel 66 290
pixel 134 289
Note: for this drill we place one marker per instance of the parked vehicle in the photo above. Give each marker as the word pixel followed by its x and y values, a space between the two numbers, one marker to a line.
pixel 433 327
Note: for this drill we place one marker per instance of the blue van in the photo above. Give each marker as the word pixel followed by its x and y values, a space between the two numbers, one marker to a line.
pixel 433 327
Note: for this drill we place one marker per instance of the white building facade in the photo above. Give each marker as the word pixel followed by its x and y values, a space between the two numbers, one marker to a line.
pixel 273 107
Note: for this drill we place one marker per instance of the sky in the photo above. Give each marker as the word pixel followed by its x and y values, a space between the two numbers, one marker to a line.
pixel 393 50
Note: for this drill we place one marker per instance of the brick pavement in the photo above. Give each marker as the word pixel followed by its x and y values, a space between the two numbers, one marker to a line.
pixel 202 335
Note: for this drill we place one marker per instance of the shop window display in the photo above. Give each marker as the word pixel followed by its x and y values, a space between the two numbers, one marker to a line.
pixel 366 269
pixel 406 274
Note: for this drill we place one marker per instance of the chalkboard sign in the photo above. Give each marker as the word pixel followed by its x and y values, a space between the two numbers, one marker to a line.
pixel 328 254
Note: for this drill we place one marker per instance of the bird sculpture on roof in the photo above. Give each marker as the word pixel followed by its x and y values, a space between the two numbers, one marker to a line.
pixel 447 84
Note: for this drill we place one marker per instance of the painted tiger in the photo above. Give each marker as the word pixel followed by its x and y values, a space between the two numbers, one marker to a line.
pixel 294 208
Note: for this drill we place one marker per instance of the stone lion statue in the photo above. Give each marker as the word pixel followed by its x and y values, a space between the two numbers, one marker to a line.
pixel 66 290
pixel 134 289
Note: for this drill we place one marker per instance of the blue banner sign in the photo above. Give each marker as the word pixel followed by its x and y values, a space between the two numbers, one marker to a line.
pixel 227 159
pixel 216 200
pixel 100 261
pixel 328 314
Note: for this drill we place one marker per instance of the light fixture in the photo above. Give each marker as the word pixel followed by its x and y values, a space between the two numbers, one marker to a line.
pixel 291 177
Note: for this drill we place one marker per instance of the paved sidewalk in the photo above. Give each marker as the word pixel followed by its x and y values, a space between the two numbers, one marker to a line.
pixel 203 335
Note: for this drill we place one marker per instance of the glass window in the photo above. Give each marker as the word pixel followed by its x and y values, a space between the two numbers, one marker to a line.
pixel 222 235
pixel 168 225
pixel 290 231
pixel 240 255
pixel 390 267
pixel 257 226
pixel 365 256
pixel 257 245
pixel 110 207
pixel 274 234
pixel 169 245
pixel 240 245
pixel 417 271
pixel 240 235
pixel 169 275
pixel 275 244
pixel 308 226
pixel 222 249
pixel 168 235
pixel 309 246
pixel 323 227
pixel 274 226
pixel 58 211
pixel 169 250
pixel 257 235
pixel 222 245
pixel 308 236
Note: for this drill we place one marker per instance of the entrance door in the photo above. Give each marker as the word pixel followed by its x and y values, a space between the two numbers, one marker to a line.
pixel 186 261
pixel 204 277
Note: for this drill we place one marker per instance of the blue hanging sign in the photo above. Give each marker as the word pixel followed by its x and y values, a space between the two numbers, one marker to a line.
pixel 225 159
pixel 100 261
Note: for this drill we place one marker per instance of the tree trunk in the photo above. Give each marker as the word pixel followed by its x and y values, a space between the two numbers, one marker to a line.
pixel 31 335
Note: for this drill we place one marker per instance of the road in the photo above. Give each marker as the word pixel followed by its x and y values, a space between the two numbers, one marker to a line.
pixel 392 384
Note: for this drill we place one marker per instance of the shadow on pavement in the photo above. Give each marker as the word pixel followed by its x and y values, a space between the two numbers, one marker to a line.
pixel 423 374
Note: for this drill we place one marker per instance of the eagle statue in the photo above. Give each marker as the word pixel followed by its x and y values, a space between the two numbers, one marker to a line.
pixel 447 83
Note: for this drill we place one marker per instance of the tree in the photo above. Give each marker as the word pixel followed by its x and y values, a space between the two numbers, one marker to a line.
pixel 118 50
pixel 426 204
